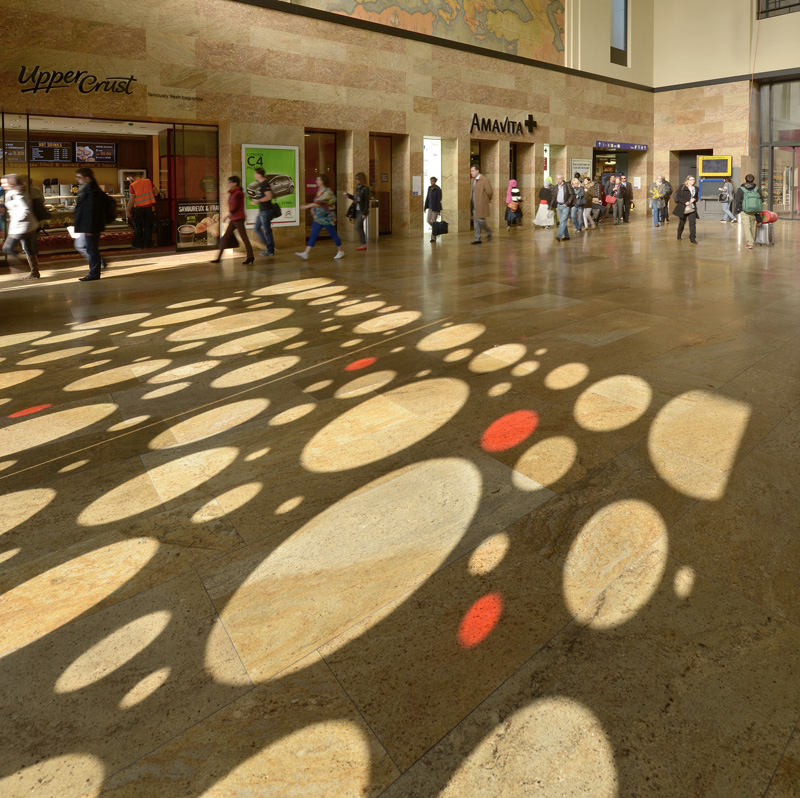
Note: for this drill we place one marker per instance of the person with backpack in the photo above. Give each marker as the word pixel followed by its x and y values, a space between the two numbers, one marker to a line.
pixel 749 203
pixel 90 219
pixel 667 195
pixel 21 224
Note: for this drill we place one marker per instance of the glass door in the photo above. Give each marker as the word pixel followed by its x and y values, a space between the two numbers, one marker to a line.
pixel 380 178
pixel 319 159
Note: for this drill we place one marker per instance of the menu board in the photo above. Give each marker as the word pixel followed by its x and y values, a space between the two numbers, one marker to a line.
pixel 95 152
pixel 52 152
pixel 15 152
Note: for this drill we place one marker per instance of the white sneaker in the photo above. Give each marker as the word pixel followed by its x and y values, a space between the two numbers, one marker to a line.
pixel 339 254
pixel 301 255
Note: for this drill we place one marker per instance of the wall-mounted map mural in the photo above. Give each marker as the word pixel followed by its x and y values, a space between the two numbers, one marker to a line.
pixel 528 28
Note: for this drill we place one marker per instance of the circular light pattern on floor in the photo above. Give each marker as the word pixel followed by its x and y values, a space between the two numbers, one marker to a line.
pixel 327 300
pixel 289 505
pixel 254 342
pixel 73 466
pixel 332 328
pixel 17 339
pixel 293 286
pixel 683 582
pixel 612 403
pixel 229 325
pixel 233 499
pixel 295 345
pixel 22 505
pixel 128 423
pixel 496 358
pixel 458 354
pixel 112 652
pixel 62 339
pixel 509 430
pixel 253 372
pixel 352 342
pixel 447 395
pixel 390 309
pixel 525 368
pixel 257 455
pixel 50 357
pixel 358 308
pixel 423 373
pixel 185 347
pixel 182 317
pixel 450 337
pixel 489 554
pixel 552 748
pixel 499 389
pixel 111 321
pixel 607 545
pixel 75 774
pixel 55 597
pixel 316 293
pixel 293 414
pixel 318 386
pixel 216 420
pixel 29 411
pixel 183 372
pixel 145 688
pixel 480 620
pixel 365 384
pixel 567 376
pixel 189 303
pixel 391 321
pixel 320 570
pixel 39 430
pixel 116 375
pixel 548 461
pixel 160 393
pixel 363 363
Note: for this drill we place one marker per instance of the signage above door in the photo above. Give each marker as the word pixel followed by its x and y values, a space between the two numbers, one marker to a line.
pixel 616 145
pixel 508 126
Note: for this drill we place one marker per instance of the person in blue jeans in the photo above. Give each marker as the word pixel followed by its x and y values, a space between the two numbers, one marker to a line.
pixel 658 192
pixel 576 213
pixel 561 197
pixel 323 209
pixel 263 226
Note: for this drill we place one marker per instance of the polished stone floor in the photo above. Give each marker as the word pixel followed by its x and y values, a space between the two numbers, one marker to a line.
pixel 512 520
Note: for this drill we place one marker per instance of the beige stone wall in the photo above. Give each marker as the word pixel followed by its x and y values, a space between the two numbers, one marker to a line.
pixel 721 117
pixel 265 77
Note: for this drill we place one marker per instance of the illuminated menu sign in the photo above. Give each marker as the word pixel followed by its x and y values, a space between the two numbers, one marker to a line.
pixel 95 152
pixel 52 152
pixel 15 152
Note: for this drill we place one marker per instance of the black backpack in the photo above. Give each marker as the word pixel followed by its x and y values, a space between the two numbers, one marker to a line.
pixel 39 209
pixel 109 208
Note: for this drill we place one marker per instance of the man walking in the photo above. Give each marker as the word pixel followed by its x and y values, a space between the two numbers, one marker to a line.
pixel 89 221
pixel 667 195
pixel 562 197
pixel 749 203
pixel 433 205
pixel 627 198
pixel 141 211
pixel 263 226
pixel 481 197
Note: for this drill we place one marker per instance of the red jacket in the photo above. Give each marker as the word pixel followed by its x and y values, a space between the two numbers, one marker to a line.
pixel 236 204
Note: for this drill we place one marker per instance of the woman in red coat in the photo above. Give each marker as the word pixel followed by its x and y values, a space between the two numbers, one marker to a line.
pixel 235 219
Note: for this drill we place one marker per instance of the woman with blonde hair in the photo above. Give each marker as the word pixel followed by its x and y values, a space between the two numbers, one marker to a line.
pixel 21 225
pixel 686 207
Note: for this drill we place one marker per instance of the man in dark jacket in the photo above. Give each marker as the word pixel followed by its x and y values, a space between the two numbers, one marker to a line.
pixel 667 195
pixel 749 203
pixel 627 198
pixel 563 198
pixel 89 221
pixel 433 205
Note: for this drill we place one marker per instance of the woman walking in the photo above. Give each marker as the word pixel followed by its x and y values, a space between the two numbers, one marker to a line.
pixel 235 219
pixel 513 209
pixel 615 199
pixel 361 202
pixel 324 210
pixel 21 225
pixel 544 216
pixel 686 207
pixel 589 200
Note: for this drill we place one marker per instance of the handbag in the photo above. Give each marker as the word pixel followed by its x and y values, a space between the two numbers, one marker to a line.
pixel 351 211
pixel 275 211
pixel 610 199
pixel 723 196
pixel 513 206
pixel 439 228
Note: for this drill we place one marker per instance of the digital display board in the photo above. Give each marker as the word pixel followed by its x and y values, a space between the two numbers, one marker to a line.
pixel 52 152
pixel 15 152
pixel 95 152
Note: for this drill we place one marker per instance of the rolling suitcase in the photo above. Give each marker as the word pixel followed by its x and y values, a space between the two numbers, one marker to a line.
pixel 765 234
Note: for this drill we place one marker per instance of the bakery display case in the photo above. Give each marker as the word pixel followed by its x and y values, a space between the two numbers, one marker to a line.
pixel 55 238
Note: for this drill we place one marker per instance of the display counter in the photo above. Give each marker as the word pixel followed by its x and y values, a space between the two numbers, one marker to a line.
pixel 55 238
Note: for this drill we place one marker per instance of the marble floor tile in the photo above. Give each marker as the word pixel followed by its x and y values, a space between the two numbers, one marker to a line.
pixel 609 327
pixel 109 688
pixel 786 781
pixel 696 669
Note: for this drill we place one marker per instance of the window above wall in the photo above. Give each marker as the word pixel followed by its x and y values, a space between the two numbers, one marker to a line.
pixel 774 8
pixel 619 32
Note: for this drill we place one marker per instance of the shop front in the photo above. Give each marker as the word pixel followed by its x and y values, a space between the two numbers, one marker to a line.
pixel 182 160
pixel 779 150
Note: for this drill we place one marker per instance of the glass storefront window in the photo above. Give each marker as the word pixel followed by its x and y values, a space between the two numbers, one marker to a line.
pixel 779 134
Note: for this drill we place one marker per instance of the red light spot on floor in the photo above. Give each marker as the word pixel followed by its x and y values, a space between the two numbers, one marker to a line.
pixel 480 619
pixel 29 411
pixel 361 364
pixel 509 430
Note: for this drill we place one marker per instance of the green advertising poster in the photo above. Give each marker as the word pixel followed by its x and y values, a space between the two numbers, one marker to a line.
pixel 280 165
